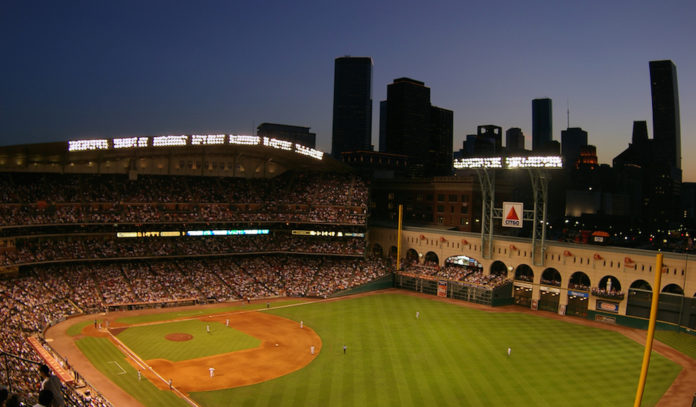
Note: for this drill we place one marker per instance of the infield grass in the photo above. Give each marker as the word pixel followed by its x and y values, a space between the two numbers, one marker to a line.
pixel 452 356
pixel 149 342
pixel 111 362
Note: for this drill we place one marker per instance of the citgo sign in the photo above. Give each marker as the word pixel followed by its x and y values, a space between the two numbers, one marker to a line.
pixel 513 212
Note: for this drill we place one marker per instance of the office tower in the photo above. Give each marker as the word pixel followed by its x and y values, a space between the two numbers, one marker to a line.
pixel 640 132
pixel 572 140
pixel 665 106
pixel 352 105
pixel 383 126
pixel 489 139
pixel 441 133
pixel 514 140
pixel 296 134
pixel 417 129
pixel 542 123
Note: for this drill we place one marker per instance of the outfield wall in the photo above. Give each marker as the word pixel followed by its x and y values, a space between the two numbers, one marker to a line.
pixel 381 283
pixel 582 272
pixel 457 290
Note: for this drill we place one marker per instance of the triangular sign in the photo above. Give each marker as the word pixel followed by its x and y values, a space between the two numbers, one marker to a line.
pixel 512 215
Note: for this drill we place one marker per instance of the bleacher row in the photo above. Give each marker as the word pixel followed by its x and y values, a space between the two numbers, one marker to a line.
pixel 52 199
pixel 80 247
pixel 469 275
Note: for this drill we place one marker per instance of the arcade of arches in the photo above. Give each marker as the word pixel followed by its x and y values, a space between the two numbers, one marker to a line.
pixel 574 279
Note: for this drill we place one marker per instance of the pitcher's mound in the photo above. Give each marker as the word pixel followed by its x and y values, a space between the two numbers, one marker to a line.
pixel 178 337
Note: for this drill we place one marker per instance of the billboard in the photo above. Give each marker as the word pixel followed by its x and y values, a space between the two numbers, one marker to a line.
pixel 513 213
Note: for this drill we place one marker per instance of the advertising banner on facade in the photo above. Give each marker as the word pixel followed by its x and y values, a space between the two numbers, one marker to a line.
pixel 442 289
pixel 513 212
pixel 607 306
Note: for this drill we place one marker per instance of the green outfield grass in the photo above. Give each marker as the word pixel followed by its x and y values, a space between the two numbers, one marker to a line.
pixel 149 343
pixel 111 362
pixel 452 356
pixel 167 316
pixel 681 341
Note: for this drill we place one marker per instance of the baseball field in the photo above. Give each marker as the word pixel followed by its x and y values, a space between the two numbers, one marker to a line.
pixel 370 350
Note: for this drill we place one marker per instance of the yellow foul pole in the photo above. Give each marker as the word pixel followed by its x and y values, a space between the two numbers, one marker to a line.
pixel 398 238
pixel 651 331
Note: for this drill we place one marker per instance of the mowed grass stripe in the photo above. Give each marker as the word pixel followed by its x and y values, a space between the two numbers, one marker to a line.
pixel 453 356
pixel 102 353
pixel 149 342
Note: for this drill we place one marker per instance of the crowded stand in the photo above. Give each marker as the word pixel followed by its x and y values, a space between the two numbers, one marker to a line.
pixel 83 243
pixel 45 294
pixel 463 274
pixel 40 250
pixel 52 199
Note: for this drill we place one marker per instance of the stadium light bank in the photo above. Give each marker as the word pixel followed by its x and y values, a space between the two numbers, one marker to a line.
pixel 550 162
pixel 192 140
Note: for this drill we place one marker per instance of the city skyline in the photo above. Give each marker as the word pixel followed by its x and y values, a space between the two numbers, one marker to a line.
pixel 109 70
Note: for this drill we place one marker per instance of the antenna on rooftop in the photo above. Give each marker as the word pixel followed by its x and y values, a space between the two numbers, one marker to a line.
pixel 567 114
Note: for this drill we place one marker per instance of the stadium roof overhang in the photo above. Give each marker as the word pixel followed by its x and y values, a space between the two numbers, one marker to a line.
pixel 257 158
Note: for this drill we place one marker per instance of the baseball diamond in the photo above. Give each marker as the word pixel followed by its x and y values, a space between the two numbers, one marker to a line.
pixel 455 353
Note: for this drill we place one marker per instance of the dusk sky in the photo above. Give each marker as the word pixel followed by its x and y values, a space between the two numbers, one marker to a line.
pixel 87 69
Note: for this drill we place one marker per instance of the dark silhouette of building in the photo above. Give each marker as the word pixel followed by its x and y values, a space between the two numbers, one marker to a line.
pixel 649 170
pixel 352 105
pixel 542 123
pixel 383 125
pixel 572 141
pixel 489 140
pixel 514 140
pixel 665 109
pixel 376 164
pixel 296 134
pixel 417 129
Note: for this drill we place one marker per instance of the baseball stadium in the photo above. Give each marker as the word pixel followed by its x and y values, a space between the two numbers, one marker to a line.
pixel 233 270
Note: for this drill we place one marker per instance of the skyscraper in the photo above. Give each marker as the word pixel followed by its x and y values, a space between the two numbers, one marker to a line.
pixel 542 123
pixel 665 109
pixel 352 105
pixel 514 139
pixel 416 128
pixel 572 141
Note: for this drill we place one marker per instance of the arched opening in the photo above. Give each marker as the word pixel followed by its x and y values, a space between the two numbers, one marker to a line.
pixel 673 289
pixel 579 281
pixel 412 257
pixel 431 259
pixel 459 267
pixel 551 277
pixel 549 294
pixel 671 307
pixel 392 252
pixel 610 288
pixel 377 250
pixel 639 299
pixel 641 285
pixel 524 273
pixel 522 287
pixel 464 261
pixel 578 294
pixel 498 268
